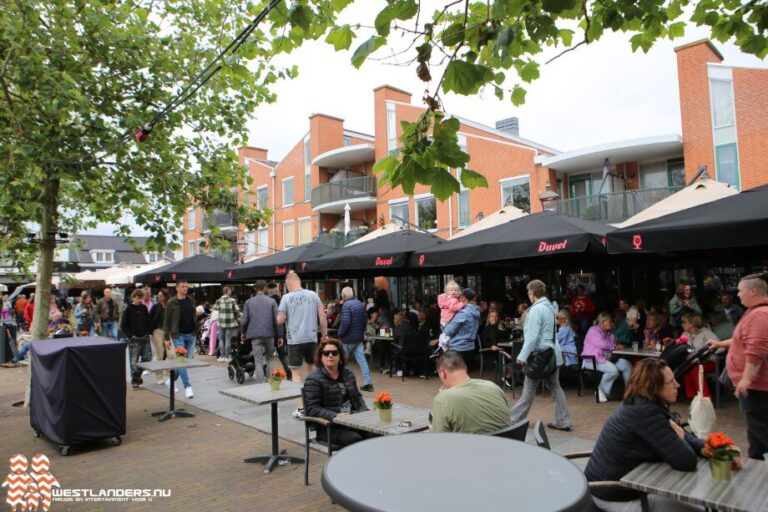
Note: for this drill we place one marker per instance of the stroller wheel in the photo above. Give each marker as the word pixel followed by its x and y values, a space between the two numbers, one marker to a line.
pixel 240 375
pixel 231 373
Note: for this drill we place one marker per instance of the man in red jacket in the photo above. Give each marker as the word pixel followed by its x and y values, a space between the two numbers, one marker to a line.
pixel 748 361
pixel 582 310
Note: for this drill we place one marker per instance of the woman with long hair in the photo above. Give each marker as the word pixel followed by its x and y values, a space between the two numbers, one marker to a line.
pixel 642 430
pixel 599 343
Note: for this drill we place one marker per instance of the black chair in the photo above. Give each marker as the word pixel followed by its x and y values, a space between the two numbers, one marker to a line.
pixel 591 371
pixel 576 370
pixel 540 434
pixel 412 353
pixel 317 423
pixel 517 431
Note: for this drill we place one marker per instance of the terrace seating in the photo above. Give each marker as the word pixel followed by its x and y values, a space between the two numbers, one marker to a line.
pixel 318 423
pixel 517 431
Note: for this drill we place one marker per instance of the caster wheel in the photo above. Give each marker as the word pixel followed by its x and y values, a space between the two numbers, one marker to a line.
pixel 64 450
pixel 240 376
pixel 115 441
pixel 37 434
pixel 231 373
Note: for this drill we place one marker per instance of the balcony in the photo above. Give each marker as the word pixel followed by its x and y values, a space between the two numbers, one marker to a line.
pixel 225 221
pixel 359 193
pixel 614 207
pixel 338 240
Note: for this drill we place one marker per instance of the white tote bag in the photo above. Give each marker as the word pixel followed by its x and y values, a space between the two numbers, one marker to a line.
pixel 702 414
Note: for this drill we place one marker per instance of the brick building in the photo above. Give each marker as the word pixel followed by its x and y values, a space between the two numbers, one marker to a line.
pixel 723 124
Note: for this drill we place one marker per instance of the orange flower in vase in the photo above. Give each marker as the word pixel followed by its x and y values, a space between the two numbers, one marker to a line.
pixel 276 376
pixel 723 455
pixel 383 402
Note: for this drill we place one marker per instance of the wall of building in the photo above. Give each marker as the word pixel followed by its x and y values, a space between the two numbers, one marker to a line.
pixel 751 98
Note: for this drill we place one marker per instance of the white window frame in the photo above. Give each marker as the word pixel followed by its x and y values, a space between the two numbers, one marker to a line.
pixel 102 256
pixel 262 248
pixel 191 219
pixel 258 198
pixel 293 190
pixel 191 247
pixel 298 230
pixel 399 202
pixel 307 170
pixel 293 226
pixel 525 178
pixel 416 200
pixel 391 128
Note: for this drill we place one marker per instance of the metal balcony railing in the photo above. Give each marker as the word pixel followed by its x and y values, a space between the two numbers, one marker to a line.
pixel 338 240
pixel 219 219
pixel 614 207
pixel 341 190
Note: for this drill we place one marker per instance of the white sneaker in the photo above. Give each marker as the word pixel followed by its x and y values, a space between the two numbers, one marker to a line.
pixel 175 388
pixel 298 413
pixel 601 396
pixel 145 372
pixel 399 373
pixel 188 391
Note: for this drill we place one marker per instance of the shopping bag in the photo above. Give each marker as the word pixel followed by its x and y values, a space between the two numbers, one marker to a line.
pixel 702 414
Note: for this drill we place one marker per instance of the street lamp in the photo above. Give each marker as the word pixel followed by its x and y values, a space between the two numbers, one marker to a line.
pixel 549 199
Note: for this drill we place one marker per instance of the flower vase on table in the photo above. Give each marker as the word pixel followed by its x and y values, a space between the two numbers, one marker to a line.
pixel 723 455
pixel 275 378
pixel 181 354
pixel 383 402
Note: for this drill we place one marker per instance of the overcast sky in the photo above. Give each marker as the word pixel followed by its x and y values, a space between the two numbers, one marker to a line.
pixel 596 94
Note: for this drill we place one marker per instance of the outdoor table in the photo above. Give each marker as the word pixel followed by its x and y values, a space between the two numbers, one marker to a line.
pixel 628 352
pixel 173 365
pixel 389 339
pixel 449 471
pixel 745 492
pixel 369 421
pixel 262 394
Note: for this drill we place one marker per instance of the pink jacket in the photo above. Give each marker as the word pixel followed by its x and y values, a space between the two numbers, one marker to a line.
pixel 598 343
pixel 750 342
pixel 448 307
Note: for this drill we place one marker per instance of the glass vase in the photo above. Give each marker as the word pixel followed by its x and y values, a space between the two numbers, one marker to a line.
pixel 385 415
pixel 721 469
pixel 274 385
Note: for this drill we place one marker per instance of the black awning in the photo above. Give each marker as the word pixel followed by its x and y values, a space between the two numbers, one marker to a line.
pixel 735 221
pixel 539 234
pixel 195 269
pixel 384 253
pixel 280 263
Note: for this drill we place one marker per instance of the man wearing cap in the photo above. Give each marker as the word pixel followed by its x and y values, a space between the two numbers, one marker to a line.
pixel 461 331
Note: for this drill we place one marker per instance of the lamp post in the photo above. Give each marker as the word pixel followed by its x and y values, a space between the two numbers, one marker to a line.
pixel 549 199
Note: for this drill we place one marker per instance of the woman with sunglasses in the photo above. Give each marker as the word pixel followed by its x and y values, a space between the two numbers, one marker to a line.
pixel 331 390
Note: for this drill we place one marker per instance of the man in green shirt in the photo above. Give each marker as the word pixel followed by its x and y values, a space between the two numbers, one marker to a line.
pixel 473 406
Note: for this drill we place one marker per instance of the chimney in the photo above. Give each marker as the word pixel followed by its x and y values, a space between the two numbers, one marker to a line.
pixel 510 125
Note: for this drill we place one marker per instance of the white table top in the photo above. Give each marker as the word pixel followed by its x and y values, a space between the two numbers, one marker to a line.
pixel 262 394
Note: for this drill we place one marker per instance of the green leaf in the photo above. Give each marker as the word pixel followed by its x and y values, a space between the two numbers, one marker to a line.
pixel 676 30
pixel 338 5
pixel 567 36
pixel 453 35
pixel 465 78
pixel 518 95
pixel 530 72
pixel 340 37
pixel 367 48
pixel 396 10
pixel 472 179
pixel 444 185
pixel 300 16
pixel 386 164
pixel 558 6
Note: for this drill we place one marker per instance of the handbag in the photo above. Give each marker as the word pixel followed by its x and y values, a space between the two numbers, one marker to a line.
pixel 540 364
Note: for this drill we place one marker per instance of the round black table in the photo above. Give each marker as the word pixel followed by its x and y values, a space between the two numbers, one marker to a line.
pixel 448 472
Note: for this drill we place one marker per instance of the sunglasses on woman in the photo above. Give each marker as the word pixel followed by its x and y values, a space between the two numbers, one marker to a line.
pixel 326 353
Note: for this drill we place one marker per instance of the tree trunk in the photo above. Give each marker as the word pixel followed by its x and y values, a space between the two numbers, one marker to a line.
pixel 48 228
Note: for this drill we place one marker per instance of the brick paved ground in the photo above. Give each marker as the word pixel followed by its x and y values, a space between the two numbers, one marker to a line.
pixel 199 458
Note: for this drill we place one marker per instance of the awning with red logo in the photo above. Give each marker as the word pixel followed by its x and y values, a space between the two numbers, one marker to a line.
pixel 280 263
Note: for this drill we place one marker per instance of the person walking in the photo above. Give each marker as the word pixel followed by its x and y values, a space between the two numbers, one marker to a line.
pixel 747 361
pixel 539 334
pixel 259 326
pixel 180 327
pixel 19 306
pixel 135 326
pixel 108 313
pixel 227 308
pixel 303 314
pixel 156 319
pixel 85 316
pixel 352 330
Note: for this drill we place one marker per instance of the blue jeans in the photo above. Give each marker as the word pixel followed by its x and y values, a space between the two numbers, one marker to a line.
pixel 22 353
pixel 188 342
pixel 109 330
pixel 225 341
pixel 610 372
pixel 362 362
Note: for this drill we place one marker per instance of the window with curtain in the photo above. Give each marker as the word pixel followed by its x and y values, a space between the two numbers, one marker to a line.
pixel 305 231
pixel 289 235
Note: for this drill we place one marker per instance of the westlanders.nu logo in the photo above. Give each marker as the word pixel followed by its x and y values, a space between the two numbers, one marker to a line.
pixel 29 491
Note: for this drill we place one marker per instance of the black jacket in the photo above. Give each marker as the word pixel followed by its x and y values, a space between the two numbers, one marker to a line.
pixel 322 395
pixel 135 321
pixel 637 433
pixel 156 316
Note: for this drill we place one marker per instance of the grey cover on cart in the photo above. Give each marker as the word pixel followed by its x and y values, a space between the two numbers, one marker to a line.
pixel 78 389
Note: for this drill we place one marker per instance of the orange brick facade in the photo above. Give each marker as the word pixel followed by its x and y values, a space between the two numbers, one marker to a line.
pixel 496 155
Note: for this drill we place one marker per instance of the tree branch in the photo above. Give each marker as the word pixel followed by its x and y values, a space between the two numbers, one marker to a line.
pixel 566 51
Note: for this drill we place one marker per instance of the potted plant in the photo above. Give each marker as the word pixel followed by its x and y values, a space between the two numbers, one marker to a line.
pixel 383 402
pixel 723 455
pixel 181 354
pixel 276 376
